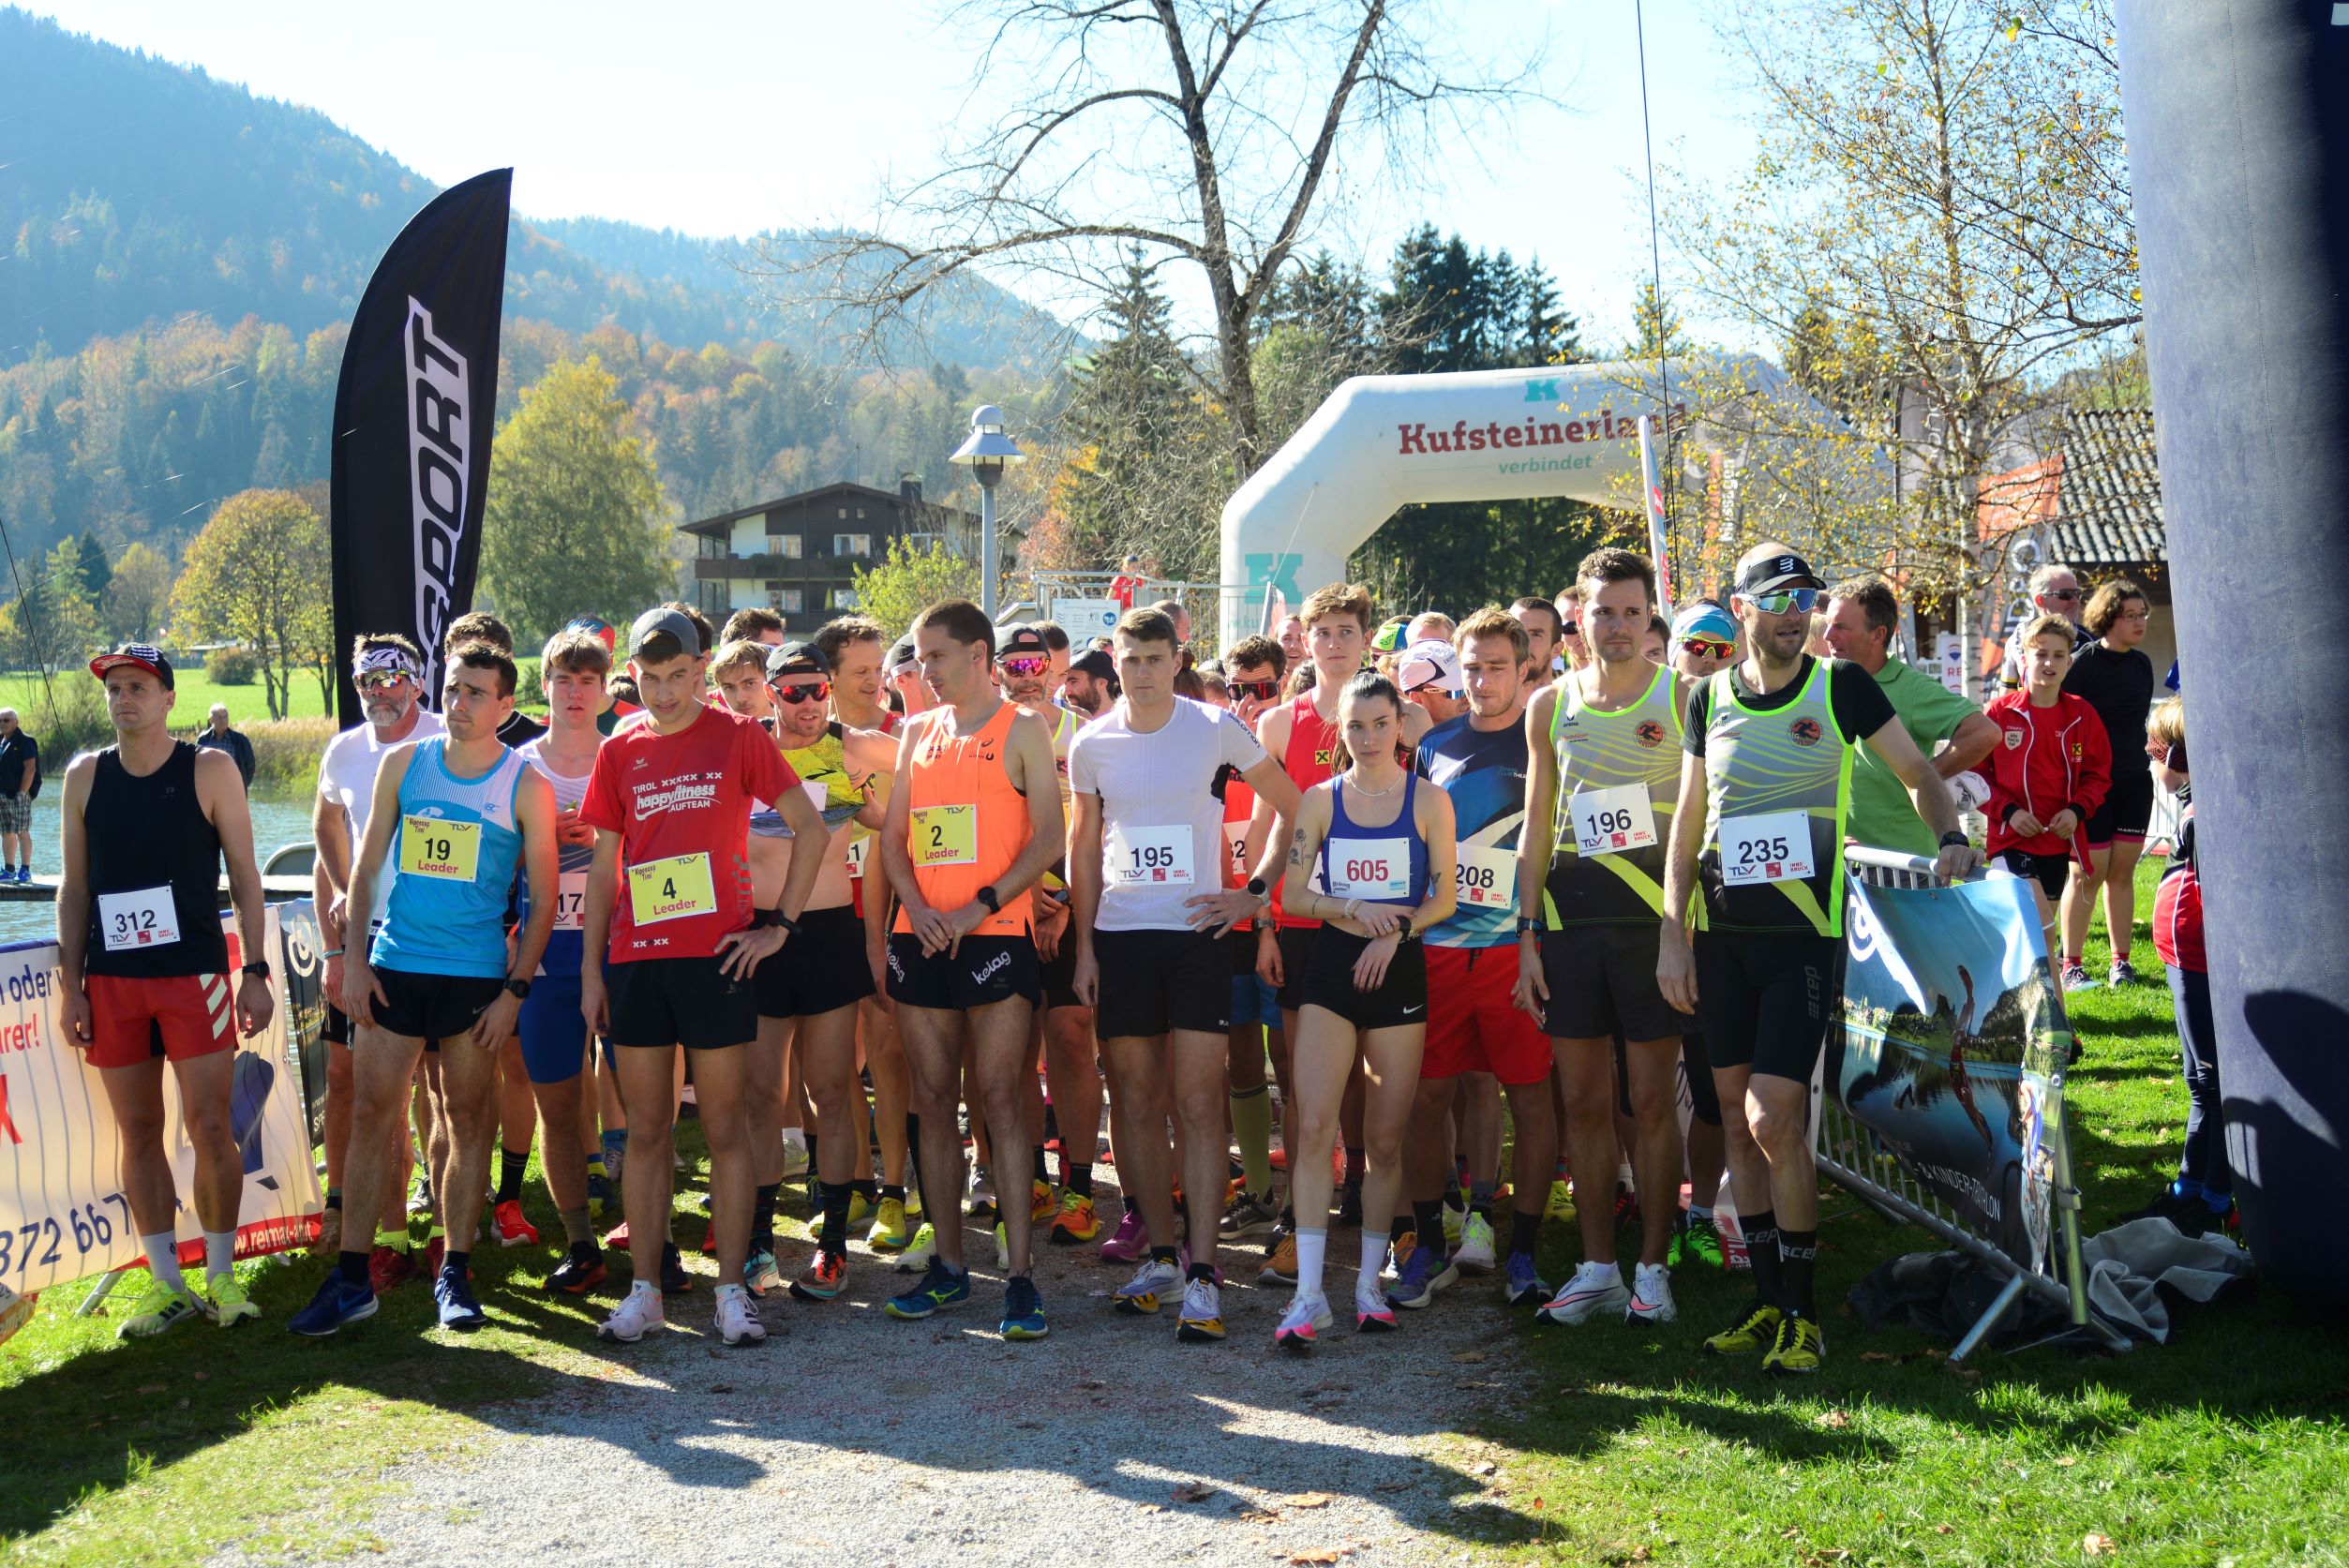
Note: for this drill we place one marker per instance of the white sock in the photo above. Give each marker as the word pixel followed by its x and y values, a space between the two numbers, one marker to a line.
pixel 1366 1285
pixel 219 1252
pixel 1311 1246
pixel 163 1258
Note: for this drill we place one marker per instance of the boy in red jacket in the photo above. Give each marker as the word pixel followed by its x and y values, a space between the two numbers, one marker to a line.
pixel 2049 770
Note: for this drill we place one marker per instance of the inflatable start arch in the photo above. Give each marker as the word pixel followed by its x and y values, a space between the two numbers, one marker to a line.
pixel 1382 443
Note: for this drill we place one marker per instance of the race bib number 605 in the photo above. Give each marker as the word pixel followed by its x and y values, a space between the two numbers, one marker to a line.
pixel 1773 847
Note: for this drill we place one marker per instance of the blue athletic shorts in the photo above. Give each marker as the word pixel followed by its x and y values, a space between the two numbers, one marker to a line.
pixel 1254 1002
pixel 554 1036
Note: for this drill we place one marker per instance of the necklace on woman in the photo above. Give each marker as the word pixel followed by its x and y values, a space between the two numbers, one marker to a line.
pixel 1355 776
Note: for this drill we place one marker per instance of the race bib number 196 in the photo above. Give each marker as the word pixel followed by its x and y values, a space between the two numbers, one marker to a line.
pixel 1611 821
pixel 671 889
pixel 1774 846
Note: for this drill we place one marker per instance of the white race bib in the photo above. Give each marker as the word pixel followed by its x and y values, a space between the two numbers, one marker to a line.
pixel 146 919
pixel 1773 847
pixel 1148 857
pixel 858 848
pixel 1370 868
pixel 1485 878
pixel 1611 821
pixel 570 900
pixel 1235 838
pixel 817 796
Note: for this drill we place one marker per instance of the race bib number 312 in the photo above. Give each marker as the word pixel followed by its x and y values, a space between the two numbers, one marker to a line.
pixel 1773 847
pixel 145 919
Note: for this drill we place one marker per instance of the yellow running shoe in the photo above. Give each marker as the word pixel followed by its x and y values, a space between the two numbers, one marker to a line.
pixel 1800 1348
pixel 1280 1264
pixel 1755 1331
pixel 1045 1203
pixel 1076 1223
pixel 1561 1200
pixel 230 1305
pixel 859 1210
pixel 889 1232
pixel 159 1309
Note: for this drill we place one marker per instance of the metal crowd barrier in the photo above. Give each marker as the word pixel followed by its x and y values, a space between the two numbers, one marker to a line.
pixel 1851 1154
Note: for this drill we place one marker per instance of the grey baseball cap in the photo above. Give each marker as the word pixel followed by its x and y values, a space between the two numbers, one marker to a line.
pixel 664 634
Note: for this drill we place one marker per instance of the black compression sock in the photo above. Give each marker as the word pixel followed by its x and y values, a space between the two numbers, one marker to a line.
pixel 1761 1250
pixel 812 1166
pixel 1480 1199
pixel 888 1191
pixel 1076 1178
pixel 1202 1270
pixel 353 1266
pixel 1399 1227
pixel 868 1188
pixel 1043 1174
pixel 334 1201
pixel 1132 1207
pixel 1164 1254
pixel 510 1169
pixel 1524 1228
pixel 1799 1252
pixel 1428 1218
pixel 763 1213
pixel 462 1261
pixel 835 1233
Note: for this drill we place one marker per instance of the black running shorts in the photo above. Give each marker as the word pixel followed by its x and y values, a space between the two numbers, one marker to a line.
pixel 1602 983
pixel 980 970
pixel 1766 998
pixel 433 1006
pixel 1400 1002
pixel 2049 870
pixel 820 970
pixel 1296 956
pixel 681 1001
pixel 1155 980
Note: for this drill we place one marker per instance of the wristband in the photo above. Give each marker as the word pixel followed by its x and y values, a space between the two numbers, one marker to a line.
pixel 336 954
pixel 790 926
pixel 1954 840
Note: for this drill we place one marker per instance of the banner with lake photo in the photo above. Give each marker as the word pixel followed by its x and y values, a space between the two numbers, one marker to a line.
pixel 1951 1035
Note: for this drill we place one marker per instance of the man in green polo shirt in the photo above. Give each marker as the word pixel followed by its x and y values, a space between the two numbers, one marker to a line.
pixel 1861 616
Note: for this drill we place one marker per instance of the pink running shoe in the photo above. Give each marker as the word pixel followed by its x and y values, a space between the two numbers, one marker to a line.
pixel 1129 1240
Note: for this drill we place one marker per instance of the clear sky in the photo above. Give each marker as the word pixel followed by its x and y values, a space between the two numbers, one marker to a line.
pixel 725 118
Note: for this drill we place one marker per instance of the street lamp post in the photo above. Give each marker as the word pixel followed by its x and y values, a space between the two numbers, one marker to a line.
pixel 985 454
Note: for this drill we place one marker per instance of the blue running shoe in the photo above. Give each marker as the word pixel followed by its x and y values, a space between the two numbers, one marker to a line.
pixel 335 1305
pixel 453 1293
pixel 1424 1273
pixel 1022 1309
pixel 1520 1285
pixel 940 1289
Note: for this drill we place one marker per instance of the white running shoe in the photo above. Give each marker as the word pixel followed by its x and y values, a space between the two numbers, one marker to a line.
pixel 1595 1288
pixel 638 1311
pixel 1200 1320
pixel 1475 1251
pixel 1306 1318
pixel 1156 1281
pixel 1650 1295
pixel 738 1318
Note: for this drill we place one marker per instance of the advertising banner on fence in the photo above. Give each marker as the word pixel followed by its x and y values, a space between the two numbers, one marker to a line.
pixel 62 1212
pixel 1952 1029
pixel 302 1003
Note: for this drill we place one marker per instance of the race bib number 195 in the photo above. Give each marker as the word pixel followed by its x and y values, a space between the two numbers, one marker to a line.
pixel 1148 857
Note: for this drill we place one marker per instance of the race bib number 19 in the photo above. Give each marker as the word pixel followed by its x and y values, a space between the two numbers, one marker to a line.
pixel 444 851
pixel 944 836
pixel 1612 821
pixel 146 919
pixel 1774 846
pixel 671 889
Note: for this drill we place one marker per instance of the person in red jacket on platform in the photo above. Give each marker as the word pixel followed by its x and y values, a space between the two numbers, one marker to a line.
pixel 2049 771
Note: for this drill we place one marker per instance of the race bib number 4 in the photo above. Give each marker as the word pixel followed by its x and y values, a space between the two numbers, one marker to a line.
pixel 570 900
pixel 1774 846
pixel 443 851
pixel 1485 877
pixel 1370 868
pixel 944 836
pixel 146 919
pixel 1611 821
pixel 1148 858
pixel 671 889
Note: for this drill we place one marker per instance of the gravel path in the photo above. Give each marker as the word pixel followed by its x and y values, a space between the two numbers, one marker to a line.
pixel 873 1440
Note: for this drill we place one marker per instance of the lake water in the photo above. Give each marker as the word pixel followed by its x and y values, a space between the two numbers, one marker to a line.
pixel 275 823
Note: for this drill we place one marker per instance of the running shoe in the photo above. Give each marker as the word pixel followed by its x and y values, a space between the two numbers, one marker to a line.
pixel 1650 1295
pixel 1022 1309
pixel 453 1298
pixel 1521 1286
pixel 1244 1218
pixel 1561 1204
pixel 759 1273
pixel 1280 1264
pixel 616 1237
pixel 1474 1250
pixel 1350 1202
pixel 1456 1225
pixel 1129 1240
pixel 329 1241
pixel 825 1274
pixel 161 1307
pixel 512 1230
pixel 601 1193
pixel 1182 1261
pixel 389 1266
pixel 1200 1320
pixel 940 1289
pixel 2181 1212
pixel 1140 1296
pixel 2124 973
pixel 1076 1223
pixel 1798 1350
pixel 1420 1277
pixel 794 1157
pixel 2075 977
pixel 1400 1252
pixel 709 1239
pixel 982 1192
pixel 639 1312
pixel 1372 1315
pixel 230 1305
pixel 888 1232
pixel 1595 1288
pixel 738 1318
pixel 1003 1249
pixel 1696 1237
pixel 1306 1318
pixel 859 1209
pixel 580 1271
pixel 1626 1205
pixel 675 1281
pixel 334 1306
pixel 916 1255
pixel 1755 1331
pixel 1043 1203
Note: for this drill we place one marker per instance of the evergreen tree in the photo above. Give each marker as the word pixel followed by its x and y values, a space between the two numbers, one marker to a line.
pixel 91 565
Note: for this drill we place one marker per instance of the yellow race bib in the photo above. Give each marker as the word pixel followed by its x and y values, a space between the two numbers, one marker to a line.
pixel 445 851
pixel 944 836
pixel 671 889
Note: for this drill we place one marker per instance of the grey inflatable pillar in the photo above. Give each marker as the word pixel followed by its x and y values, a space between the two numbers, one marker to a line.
pixel 2239 150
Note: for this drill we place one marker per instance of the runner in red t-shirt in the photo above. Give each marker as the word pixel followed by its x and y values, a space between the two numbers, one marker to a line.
pixel 669 897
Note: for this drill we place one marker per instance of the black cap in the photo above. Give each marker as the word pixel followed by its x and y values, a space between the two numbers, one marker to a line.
pixel 1094 662
pixel 797 658
pixel 139 655
pixel 1772 573
pixel 1024 641
pixel 664 634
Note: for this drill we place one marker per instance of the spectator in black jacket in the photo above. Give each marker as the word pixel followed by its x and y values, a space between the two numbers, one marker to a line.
pixel 220 738
pixel 20 784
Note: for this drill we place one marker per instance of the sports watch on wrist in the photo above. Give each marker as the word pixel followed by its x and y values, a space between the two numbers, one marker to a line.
pixel 987 896
pixel 1258 889
pixel 518 990
pixel 259 970
pixel 1527 925
pixel 1954 840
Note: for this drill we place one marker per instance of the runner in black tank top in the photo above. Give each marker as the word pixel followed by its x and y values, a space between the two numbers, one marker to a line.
pixel 143 971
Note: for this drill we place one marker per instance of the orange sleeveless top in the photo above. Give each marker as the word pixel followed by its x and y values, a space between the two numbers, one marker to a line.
pixel 966 822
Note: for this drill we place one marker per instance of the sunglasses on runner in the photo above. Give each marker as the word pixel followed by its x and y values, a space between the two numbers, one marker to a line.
pixel 1786 601
pixel 1023 665
pixel 796 695
pixel 378 681
pixel 1702 645
pixel 1253 691
pixel 2063 593
pixel 1569 629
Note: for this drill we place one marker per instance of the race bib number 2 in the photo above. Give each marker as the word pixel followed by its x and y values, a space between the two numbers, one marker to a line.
pixel 1774 846
pixel 671 889
pixel 145 919
pixel 944 836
